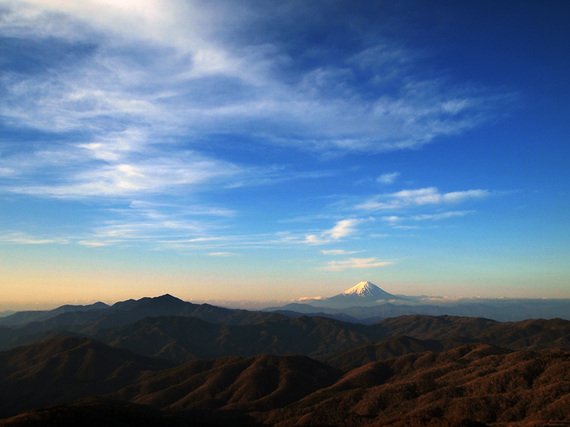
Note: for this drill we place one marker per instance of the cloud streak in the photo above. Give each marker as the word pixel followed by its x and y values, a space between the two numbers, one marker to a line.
pixel 388 177
pixel 355 263
pixel 225 86
pixel 337 252
pixel 419 197
pixel 151 105
pixel 342 229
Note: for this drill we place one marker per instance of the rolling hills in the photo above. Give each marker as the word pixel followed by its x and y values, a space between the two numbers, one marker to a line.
pixel 178 363
pixel 471 384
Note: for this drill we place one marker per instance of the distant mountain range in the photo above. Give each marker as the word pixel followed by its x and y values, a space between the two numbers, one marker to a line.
pixel 362 294
pixel 467 384
pixel 179 331
pixel 367 303
pixel 164 361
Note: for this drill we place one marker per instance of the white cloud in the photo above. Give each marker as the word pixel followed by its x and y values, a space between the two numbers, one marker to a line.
pixel 313 239
pixel 149 175
pixel 187 67
pixel 388 178
pixel 419 197
pixel 355 263
pixel 7 171
pixel 440 215
pixel 92 244
pixel 343 228
pixel 337 252
pixel 146 86
pixel 25 239
pixel 392 218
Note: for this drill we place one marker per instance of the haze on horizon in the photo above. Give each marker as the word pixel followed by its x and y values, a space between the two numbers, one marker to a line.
pixel 269 151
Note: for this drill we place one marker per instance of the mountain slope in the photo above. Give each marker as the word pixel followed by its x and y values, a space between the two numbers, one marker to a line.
pixel 262 382
pixel 96 412
pixel 63 370
pixel 473 383
pixel 386 349
pixel 367 290
pixel 362 294
pixel 181 339
pixel 470 385
pixel 87 322
pixel 24 317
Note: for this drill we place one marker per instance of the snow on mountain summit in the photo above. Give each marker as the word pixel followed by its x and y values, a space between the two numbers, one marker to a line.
pixel 363 294
pixel 367 290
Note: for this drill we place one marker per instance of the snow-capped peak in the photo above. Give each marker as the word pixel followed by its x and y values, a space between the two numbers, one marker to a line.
pixel 365 289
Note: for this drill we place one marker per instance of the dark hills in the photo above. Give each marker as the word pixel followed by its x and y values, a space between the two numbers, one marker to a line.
pixel 186 364
pixel 85 322
pixel 472 384
pixel 260 383
pixel 193 331
pixel 23 317
pixel 180 339
pixel 65 369
pixel 96 412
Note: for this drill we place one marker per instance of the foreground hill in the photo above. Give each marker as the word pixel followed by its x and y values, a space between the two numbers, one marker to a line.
pixel 386 349
pixel 236 366
pixel 65 369
pixel 260 383
pixel 97 412
pixel 472 384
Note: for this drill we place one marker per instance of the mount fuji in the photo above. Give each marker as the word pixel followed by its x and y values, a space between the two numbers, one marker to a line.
pixel 363 293
pixel 367 290
pixel 362 301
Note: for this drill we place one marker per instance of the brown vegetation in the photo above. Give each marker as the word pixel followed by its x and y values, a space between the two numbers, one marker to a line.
pixel 413 370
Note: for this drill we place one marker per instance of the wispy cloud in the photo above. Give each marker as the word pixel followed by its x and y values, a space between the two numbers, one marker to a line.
pixel 388 177
pixel 221 254
pixel 343 228
pixel 92 243
pixel 128 102
pixel 25 239
pixel 419 197
pixel 87 178
pixel 355 263
pixel 338 252
pixel 440 215
pixel 394 219
pixel 175 71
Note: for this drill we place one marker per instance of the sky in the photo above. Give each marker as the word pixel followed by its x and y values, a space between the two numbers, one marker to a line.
pixel 255 151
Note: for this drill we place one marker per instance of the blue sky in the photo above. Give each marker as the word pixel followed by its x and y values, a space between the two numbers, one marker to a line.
pixel 263 151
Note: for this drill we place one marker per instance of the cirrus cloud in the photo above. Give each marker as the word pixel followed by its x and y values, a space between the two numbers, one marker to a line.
pixel 343 228
pixel 419 197
pixel 355 263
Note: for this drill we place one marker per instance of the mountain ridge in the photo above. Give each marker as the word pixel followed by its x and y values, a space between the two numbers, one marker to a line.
pixel 266 368
pixel 367 289
pixel 469 384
